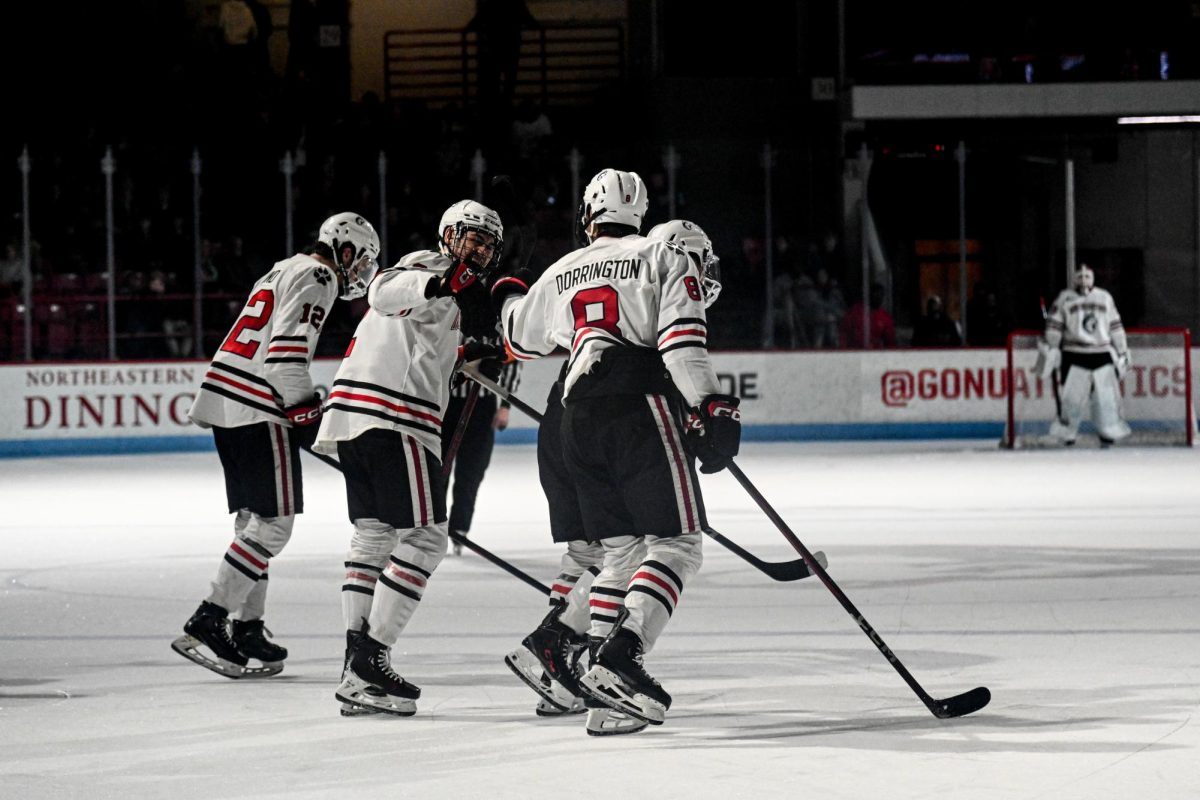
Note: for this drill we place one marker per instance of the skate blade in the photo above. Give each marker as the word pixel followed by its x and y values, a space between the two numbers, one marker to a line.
pixel 603 685
pixel 354 692
pixel 526 667
pixel 188 647
pixel 546 709
pixel 267 669
pixel 351 710
pixel 606 722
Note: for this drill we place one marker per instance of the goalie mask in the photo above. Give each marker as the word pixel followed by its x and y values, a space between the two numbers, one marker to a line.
pixel 355 248
pixel 695 242
pixel 1084 279
pixel 476 235
pixel 613 196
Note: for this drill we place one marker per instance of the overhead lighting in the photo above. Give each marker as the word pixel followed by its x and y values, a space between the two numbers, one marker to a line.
pixel 1176 120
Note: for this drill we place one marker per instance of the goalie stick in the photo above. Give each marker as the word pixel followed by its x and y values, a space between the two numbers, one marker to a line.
pixel 783 571
pixel 515 571
pixel 957 706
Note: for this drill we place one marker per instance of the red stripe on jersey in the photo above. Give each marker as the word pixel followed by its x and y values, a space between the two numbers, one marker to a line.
pixel 680 468
pixel 604 604
pixel 366 398
pixel 216 376
pixel 235 547
pixel 281 349
pixel 670 336
pixel 655 579
pixel 418 470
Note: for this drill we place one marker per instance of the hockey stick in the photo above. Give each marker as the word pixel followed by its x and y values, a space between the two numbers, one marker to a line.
pixel 515 571
pixel 460 430
pixel 775 570
pixel 957 706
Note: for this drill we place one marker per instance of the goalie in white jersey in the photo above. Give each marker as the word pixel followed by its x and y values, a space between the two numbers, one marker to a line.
pixel 630 312
pixel 384 420
pixel 1085 336
pixel 258 398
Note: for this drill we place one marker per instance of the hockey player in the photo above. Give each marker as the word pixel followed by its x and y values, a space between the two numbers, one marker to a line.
pixel 384 420
pixel 630 312
pixel 258 398
pixel 1084 324
pixel 547 657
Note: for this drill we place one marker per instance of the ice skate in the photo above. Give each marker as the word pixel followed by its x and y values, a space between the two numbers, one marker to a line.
pixel 604 721
pixel 349 709
pixel 546 661
pixel 455 547
pixel 209 627
pixel 250 638
pixel 618 679
pixel 370 681
pixel 545 708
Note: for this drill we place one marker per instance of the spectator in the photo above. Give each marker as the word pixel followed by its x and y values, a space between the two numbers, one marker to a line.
pixel 832 309
pixel 881 328
pixel 987 325
pixel 935 329
pixel 498 25
pixel 12 268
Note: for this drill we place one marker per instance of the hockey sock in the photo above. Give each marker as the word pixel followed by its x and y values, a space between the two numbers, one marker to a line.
pixel 402 582
pixel 622 554
pixel 576 613
pixel 373 541
pixel 255 604
pixel 656 586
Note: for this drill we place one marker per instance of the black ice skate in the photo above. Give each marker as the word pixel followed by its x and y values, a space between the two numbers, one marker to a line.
pixel 618 679
pixel 250 638
pixel 372 683
pixel 349 709
pixel 546 661
pixel 602 720
pixel 209 627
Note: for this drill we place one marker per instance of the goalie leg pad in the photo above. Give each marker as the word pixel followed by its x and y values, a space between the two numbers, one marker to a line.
pixel 1075 395
pixel 1106 404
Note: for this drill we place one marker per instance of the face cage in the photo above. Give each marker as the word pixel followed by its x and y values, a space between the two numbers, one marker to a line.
pixel 710 283
pixel 357 278
pixel 461 229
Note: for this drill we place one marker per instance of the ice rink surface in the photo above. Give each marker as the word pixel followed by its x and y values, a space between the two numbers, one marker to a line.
pixel 1067 582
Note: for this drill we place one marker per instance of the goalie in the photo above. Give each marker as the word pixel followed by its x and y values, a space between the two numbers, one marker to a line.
pixel 1085 340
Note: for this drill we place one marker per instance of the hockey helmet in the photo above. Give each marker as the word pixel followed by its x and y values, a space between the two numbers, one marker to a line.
pixel 355 246
pixel 1083 279
pixel 464 218
pixel 614 196
pixel 695 242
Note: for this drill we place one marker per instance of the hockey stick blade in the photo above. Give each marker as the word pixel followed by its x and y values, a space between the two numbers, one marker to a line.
pixel 961 704
pixel 775 570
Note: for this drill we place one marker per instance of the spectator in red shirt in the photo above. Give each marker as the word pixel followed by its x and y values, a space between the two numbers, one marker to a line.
pixel 880 325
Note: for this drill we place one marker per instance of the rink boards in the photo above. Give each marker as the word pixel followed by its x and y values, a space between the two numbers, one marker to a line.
pixel 110 407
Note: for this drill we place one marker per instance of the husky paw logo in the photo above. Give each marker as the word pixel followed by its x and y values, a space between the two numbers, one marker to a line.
pixel 322 275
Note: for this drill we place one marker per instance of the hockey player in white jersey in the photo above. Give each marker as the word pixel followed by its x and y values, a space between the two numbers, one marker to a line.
pixel 258 398
pixel 384 421
pixel 548 657
pixel 1085 336
pixel 630 312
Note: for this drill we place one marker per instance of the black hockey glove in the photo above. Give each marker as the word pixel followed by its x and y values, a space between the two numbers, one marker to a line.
pixel 714 432
pixel 517 283
pixel 474 350
pixel 306 420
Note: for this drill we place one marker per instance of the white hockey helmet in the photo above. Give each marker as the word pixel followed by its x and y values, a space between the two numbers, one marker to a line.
pixel 355 246
pixel 466 216
pixel 695 242
pixel 1083 279
pixel 614 196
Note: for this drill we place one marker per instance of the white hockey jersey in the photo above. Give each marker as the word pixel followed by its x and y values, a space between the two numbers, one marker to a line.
pixel 397 369
pixel 1085 323
pixel 262 366
pixel 628 291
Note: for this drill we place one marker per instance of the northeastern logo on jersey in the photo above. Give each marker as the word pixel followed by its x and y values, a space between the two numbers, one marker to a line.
pixel 620 268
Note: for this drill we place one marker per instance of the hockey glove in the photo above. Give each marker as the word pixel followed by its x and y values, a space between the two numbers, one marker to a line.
pixel 1122 365
pixel 714 432
pixel 306 420
pixel 517 283
pixel 453 280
